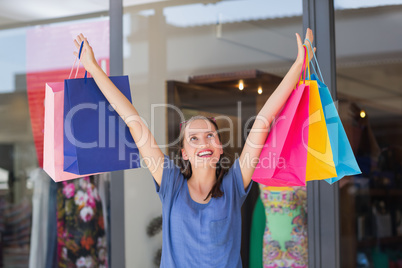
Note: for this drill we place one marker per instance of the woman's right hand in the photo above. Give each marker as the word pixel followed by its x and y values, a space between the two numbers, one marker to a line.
pixel 300 53
pixel 87 54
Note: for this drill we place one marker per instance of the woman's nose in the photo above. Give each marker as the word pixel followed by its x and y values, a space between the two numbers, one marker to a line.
pixel 204 143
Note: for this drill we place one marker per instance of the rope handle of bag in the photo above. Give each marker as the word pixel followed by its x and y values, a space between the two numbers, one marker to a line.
pixel 316 61
pixel 79 61
pixel 303 70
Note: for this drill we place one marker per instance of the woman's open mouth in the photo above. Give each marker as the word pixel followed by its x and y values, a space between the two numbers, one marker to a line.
pixel 205 153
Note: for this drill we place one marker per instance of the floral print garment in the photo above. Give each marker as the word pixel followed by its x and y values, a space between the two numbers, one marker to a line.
pixel 80 228
pixel 285 236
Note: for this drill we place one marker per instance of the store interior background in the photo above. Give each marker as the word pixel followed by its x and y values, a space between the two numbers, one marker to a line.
pixel 175 40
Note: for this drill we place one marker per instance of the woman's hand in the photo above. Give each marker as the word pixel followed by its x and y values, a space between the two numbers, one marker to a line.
pixel 87 55
pixel 300 53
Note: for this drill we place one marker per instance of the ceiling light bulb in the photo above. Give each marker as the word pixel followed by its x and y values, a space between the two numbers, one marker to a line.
pixel 260 90
pixel 241 85
pixel 362 114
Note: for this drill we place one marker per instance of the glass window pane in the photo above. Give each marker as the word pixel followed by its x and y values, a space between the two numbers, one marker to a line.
pixel 31 56
pixel 193 56
pixel 368 35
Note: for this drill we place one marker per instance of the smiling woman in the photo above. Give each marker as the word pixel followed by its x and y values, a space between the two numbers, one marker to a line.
pixel 202 208
pixel 199 147
pixel 201 200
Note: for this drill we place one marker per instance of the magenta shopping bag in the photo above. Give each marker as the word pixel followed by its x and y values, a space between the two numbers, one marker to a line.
pixel 53 157
pixel 284 157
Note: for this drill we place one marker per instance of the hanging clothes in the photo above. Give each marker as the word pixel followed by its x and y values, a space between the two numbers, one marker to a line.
pixel 257 235
pixel 3 207
pixel 80 225
pixel 285 236
pixel 17 233
pixel 103 184
pixel 51 252
pixel 39 231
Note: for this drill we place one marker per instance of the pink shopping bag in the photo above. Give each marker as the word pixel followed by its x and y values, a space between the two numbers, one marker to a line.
pixel 284 157
pixel 53 158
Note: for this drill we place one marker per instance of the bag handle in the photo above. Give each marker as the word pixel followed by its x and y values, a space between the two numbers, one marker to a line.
pixel 78 66
pixel 316 61
pixel 303 68
pixel 307 59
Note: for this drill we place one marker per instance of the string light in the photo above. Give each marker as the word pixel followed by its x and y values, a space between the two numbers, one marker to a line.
pixel 362 114
pixel 241 85
pixel 259 90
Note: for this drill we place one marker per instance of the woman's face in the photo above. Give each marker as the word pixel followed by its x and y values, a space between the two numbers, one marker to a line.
pixel 201 145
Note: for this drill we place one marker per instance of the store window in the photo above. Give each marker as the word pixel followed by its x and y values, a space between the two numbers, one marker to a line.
pixel 31 56
pixel 369 63
pixel 193 56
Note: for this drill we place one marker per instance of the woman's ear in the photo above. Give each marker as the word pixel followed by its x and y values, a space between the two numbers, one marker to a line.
pixel 184 154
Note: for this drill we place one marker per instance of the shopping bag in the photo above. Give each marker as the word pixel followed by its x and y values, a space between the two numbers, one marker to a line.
pixel 283 158
pixel 320 163
pixel 53 157
pixel 96 139
pixel 344 159
pixel 36 97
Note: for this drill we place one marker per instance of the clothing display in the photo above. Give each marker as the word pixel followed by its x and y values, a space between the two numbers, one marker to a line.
pixel 103 184
pixel 81 237
pixel 51 251
pixel 16 234
pixel 39 229
pixel 257 234
pixel 3 205
pixel 208 235
pixel 285 238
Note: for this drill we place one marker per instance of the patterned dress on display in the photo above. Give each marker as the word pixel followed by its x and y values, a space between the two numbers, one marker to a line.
pixel 285 236
pixel 81 236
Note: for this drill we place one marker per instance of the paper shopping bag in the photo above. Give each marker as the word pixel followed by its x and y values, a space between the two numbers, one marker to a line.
pixel 344 159
pixel 53 158
pixel 320 163
pixel 96 139
pixel 284 156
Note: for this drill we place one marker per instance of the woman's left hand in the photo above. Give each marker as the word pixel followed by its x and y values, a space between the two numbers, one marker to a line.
pixel 300 53
pixel 87 54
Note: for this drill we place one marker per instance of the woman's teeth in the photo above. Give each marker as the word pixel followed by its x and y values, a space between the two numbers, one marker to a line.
pixel 205 153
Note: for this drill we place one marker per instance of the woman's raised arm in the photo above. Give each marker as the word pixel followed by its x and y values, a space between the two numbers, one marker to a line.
pixel 259 132
pixel 145 141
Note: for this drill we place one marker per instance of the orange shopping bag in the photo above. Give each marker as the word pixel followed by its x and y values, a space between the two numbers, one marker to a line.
pixel 320 160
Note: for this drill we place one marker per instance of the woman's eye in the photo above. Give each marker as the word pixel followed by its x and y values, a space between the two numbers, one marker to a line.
pixel 210 135
pixel 193 138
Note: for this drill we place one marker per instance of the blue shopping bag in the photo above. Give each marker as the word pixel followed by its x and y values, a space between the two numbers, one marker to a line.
pixel 96 139
pixel 344 159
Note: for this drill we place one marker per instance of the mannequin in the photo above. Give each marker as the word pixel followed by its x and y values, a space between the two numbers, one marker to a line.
pixel 285 237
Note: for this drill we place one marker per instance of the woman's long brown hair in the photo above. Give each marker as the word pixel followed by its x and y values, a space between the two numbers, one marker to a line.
pixel 185 165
